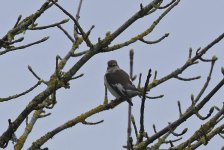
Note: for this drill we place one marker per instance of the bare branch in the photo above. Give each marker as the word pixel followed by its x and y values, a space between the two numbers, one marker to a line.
pixel 86 39
pixel 139 80
pixel 35 75
pixel 22 139
pixel 183 118
pixel 155 7
pixel 190 53
pixel 187 79
pixel 167 5
pixel 161 141
pixel 143 34
pixel 209 136
pixel 44 115
pixel 172 141
pixel 79 76
pixel 21 94
pixel 179 108
pixel 156 41
pixel 206 83
pixel 80 53
pixel 23 25
pixel 66 33
pixel 17 41
pixel 73 122
pixel 177 134
pixel 92 123
pixel 202 133
pixel 131 58
pixel 18 20
pixel 90 30
pixel 49 26
pixel 155 97
pixel 24 46
pixel 207 116
pixel 142 130
pixel 55 84
pixel 77 18
pixel 155 75
pixel 187 64
pixel 134 125
pixel 154 128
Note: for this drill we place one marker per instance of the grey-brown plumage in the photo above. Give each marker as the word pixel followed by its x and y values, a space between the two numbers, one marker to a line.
pixel 118 82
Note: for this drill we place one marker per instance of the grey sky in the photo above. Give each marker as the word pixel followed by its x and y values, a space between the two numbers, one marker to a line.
pixel 190 24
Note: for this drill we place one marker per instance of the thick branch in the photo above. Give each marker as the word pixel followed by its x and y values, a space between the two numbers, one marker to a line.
pixel 28 129
pixel 202 132
pixel 24 24
pixel 183 118
pixel 79 119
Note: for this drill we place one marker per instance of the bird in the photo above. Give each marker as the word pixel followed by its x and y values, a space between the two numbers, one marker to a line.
pixel 118 82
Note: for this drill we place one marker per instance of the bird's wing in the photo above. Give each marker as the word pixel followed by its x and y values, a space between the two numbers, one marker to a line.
pixel 118 76
pixel 120 79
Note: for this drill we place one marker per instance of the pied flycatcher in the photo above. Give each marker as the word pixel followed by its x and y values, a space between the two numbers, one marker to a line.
pixel 118 82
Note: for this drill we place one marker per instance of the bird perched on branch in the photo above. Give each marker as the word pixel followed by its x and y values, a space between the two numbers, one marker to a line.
pixel 118 82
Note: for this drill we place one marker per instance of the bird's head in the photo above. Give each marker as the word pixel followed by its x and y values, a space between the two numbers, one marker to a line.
pixel 112 64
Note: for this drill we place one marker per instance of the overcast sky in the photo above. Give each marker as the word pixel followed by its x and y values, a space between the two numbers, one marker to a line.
pixel 190 24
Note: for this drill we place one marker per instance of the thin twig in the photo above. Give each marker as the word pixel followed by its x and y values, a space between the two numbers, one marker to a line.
pixel 134 125
pixel 131 58
pixel 16 41
pixel 206 83
pixel 143 34
pixel 142 110
pixel 154 97
pixel 188 79
pixel 92 123
pixel 35 75
pixel 18 20
pixel 179 108
pixel 21 94
pixel 155 7
pixel 66 33
pixel 189 112
pixel 172 141
pixel 139 81
pixel 79 54
pixel 155 75
pixel 207 116
pixel 154 128
pixel 79 76
pixel 44 115
pixel 24 24
pixel 177 134
pixel 167 5
pixel 49 26
pixel 190 53
pixel 77 18
pixel 76 23
pixel 156 41
pixel 24 46
pixel 203 132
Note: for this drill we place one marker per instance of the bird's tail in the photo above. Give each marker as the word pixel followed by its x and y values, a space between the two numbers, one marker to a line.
pixel 129 101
